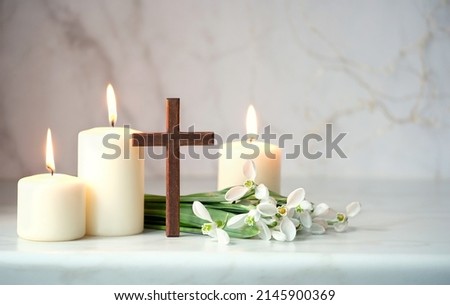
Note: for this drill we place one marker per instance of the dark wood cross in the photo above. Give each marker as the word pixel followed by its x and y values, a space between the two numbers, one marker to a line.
pixel 172 139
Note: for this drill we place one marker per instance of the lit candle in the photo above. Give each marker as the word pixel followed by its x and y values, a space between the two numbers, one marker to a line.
pixel 267 158
pixel 114 174
pixel 51 207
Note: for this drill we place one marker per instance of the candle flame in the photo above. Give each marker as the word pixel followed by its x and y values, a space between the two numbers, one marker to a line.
pixel 112 108
pixel 252 125
pixel 49 158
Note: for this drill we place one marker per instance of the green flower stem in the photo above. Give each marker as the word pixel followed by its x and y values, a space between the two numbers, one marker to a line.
pixel 217 196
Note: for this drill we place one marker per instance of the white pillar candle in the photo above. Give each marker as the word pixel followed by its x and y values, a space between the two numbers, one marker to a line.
pixel 266 156
pixel 51 207
pixel 113 171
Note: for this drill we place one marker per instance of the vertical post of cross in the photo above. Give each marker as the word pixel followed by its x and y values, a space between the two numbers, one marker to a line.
pixel 173 167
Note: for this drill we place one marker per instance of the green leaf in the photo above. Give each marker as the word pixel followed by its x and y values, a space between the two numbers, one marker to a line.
pixel 215 196
pixel 229 207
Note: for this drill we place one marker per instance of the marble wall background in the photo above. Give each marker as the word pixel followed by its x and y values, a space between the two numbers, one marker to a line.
pixel 378 70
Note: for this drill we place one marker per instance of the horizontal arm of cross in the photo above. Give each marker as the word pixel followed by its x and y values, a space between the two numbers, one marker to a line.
pixel 162 138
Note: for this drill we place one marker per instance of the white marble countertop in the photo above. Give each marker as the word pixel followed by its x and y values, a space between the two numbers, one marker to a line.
pixel 401 237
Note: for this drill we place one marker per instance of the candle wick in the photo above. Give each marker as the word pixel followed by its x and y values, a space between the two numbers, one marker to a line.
pixel 112 123
pixel 51 170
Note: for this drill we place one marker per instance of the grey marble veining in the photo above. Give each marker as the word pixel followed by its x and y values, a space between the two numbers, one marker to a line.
pixel 377 70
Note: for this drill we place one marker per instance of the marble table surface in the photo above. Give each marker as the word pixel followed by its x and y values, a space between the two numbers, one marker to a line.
pixel 400 237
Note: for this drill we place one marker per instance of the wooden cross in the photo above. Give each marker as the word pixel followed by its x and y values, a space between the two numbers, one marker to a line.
pixel 172 139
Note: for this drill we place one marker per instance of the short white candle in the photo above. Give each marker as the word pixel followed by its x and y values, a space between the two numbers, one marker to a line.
pixel 231 161
pixel 115 184
pixel 51 207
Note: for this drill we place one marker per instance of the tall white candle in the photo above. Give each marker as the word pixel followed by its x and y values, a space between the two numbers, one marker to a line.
pixel 51 207
pixel 114 174
pixel 267 159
